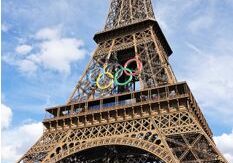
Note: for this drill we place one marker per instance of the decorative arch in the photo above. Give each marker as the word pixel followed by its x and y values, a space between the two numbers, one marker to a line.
pixel 156 150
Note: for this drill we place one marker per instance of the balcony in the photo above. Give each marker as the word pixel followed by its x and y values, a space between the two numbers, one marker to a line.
pixel 154 95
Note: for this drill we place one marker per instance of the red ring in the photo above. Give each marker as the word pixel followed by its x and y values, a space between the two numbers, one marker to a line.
pixel 139 66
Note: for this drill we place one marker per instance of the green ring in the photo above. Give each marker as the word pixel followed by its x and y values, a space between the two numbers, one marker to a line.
pixel 116 77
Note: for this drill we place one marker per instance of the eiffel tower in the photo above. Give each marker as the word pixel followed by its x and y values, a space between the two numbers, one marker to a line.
pixel 128 106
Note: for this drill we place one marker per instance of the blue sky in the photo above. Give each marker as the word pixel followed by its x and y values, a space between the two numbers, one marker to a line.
pixel 46 45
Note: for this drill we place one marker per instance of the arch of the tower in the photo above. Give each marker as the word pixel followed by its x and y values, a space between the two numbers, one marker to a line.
pixel 112 154
pixel 121 149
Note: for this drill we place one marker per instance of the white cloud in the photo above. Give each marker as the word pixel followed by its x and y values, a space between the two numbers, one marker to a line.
pixel 27 66
pixel 225 144
pixel 60 53
pixel 16 141
pixel 52 52
pixel 48 33
pixel 55 52
pixel 6 116
pixel 23 49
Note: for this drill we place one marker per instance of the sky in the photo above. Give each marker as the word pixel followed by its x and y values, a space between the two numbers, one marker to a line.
pixel 46 45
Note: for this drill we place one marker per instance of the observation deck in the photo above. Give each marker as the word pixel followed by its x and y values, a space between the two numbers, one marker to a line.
pixel 123 107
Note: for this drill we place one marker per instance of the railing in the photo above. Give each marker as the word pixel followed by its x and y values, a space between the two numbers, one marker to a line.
pixel 155 94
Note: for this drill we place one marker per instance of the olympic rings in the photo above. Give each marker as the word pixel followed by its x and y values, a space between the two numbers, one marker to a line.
pixel 109 75
pixel 139 66
pixel 117 76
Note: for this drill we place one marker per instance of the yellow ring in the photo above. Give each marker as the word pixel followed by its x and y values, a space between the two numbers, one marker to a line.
pixel 105 86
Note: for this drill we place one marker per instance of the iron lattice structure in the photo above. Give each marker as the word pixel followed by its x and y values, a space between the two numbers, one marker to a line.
pixel 127 107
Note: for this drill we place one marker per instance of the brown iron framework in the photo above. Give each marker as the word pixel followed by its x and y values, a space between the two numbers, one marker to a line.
pixel 152 118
